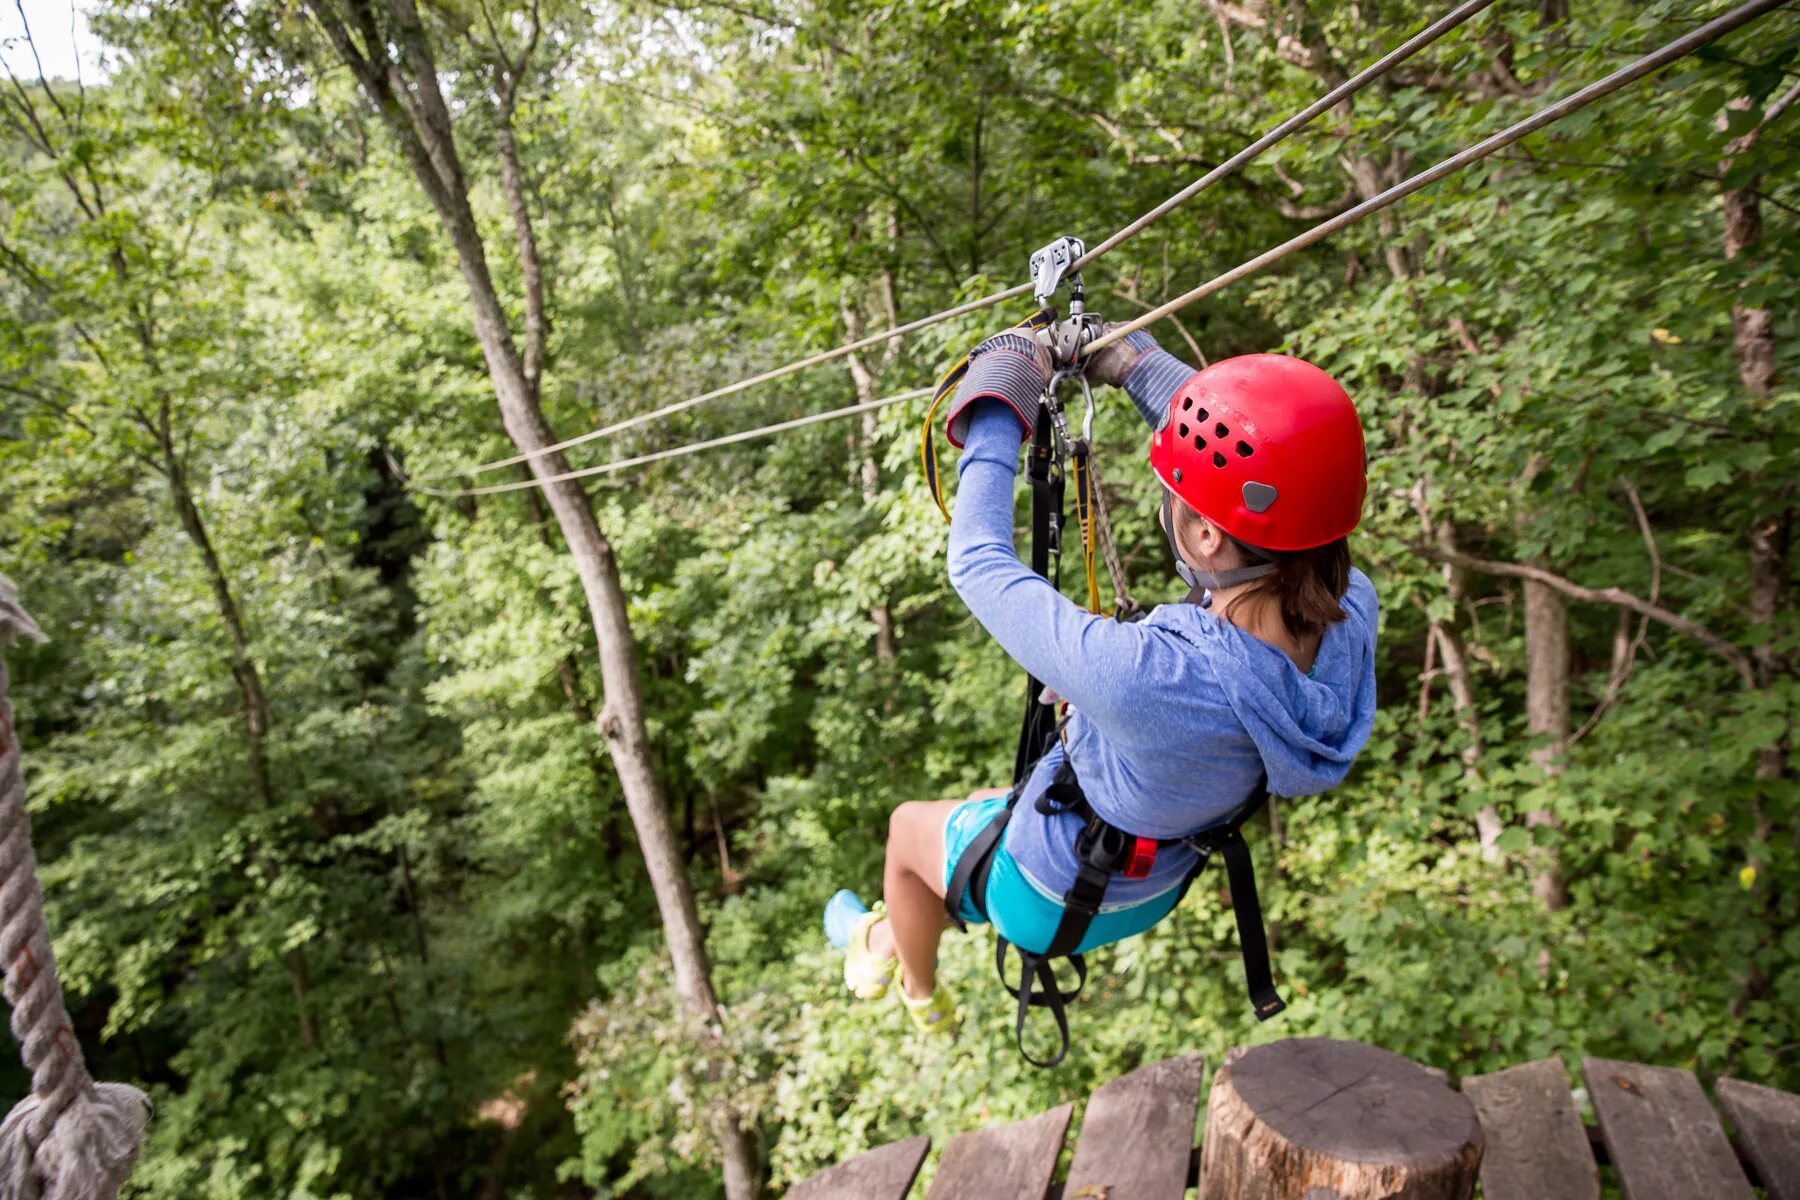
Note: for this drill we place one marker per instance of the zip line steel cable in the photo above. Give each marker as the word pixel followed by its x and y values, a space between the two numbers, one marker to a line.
pixel 1305 116
pixel 678 451
pixel 1655 60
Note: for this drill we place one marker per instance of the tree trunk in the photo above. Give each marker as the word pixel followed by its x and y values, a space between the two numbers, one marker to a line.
pixel 1771 540
pixel 1318 1119
pixel 1547 717
pixel 537 324
pixel 1753 344
pixel 302 983
pixel 258 716
pixel 864 379
pixel 408 96
pixel 621 719
pixel 1488 825
pixel 568 671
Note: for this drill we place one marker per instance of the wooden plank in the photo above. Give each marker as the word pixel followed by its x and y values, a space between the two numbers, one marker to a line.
pixel 1138 1134
pixel 1536 1146
pixel 884 1173
pixel 1768 1126
pixel 1003 1162
pixel 1663 1138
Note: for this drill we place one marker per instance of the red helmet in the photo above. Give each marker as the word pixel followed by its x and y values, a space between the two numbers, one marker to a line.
pixel 1268 448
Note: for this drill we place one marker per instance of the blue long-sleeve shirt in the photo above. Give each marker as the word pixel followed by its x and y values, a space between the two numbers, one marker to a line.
pixel 1176 717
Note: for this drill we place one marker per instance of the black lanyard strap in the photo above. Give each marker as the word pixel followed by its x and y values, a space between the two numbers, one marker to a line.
pixel 1246 906
pixel 1038 988
pixel 1044 473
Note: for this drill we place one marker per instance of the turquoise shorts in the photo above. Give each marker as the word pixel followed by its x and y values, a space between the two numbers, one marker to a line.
pixel 1021 913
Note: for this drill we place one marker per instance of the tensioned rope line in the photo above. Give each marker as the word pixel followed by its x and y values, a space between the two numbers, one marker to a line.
pixel 1305 116
pixel 1630 73
pixel 1711 31
pixel 678 451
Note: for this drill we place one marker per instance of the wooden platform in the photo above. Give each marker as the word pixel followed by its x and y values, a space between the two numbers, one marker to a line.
pixel 1655 1128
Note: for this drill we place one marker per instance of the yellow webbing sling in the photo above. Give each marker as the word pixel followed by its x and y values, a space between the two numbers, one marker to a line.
pixel 1043 318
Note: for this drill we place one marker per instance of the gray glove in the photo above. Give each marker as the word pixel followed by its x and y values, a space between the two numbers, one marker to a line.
pixel 1011 367
pixel 1113 363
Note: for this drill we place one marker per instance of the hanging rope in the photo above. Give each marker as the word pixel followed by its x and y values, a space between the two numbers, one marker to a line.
pixel 1230 166
pixel 71 1138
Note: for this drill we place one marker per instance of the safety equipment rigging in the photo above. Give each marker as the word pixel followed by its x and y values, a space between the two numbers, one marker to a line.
pixel 1103 850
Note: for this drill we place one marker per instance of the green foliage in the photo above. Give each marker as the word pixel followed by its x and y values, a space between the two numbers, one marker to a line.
pixel 423 960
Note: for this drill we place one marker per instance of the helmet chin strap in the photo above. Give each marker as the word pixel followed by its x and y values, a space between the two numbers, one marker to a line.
pixel 1199 579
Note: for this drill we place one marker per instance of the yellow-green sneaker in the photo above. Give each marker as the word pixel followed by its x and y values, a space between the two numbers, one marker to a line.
pixel 935 1015
pixel 866 974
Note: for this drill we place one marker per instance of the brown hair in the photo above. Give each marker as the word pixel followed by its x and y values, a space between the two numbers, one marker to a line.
pixel 1306 585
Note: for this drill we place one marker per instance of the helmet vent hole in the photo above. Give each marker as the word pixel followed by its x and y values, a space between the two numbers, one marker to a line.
pixel 1199 442
pixel 1218 459
pixel 1184 429
pixel 1201 415
pixel 1244 450
pixel 1219 430
pixel 1187 402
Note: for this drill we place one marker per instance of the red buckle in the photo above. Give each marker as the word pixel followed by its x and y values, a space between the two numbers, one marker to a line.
pixel 1143 857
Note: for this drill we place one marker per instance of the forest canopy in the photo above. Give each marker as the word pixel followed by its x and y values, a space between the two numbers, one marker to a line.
pixel 402 842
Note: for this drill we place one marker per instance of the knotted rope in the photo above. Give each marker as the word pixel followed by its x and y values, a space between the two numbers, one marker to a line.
pixel 72 1138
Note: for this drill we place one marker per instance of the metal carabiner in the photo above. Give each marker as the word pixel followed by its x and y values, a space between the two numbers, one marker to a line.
pixel 1087 420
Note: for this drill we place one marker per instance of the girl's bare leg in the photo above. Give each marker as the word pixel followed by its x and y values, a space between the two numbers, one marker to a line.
pixel 913 886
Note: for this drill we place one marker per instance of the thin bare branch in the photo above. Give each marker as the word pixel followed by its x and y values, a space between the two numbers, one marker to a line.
pixel 63 409
pixel 1230 52
pixel 36 134
pixel 32 129
pixel 508 70
pixel 43 82
pixel 537 325
pixel 1430 671
pixel 1625 655
pixel 1770 115
pixel 80 84
pixel 1180 328
pixel 1619 597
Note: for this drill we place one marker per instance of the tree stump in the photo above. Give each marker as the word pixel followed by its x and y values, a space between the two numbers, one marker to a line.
pixel 1320 1119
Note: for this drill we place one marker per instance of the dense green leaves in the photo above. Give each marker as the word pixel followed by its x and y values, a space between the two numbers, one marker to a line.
pixel 422 958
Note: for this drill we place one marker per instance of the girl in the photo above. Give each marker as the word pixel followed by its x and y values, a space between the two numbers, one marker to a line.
pixel 1265 671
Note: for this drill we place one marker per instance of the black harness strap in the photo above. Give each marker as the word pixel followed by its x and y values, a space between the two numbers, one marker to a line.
pixel 1038 988
pixel 1103 850
pixel 1246 906
pixel 1045 477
